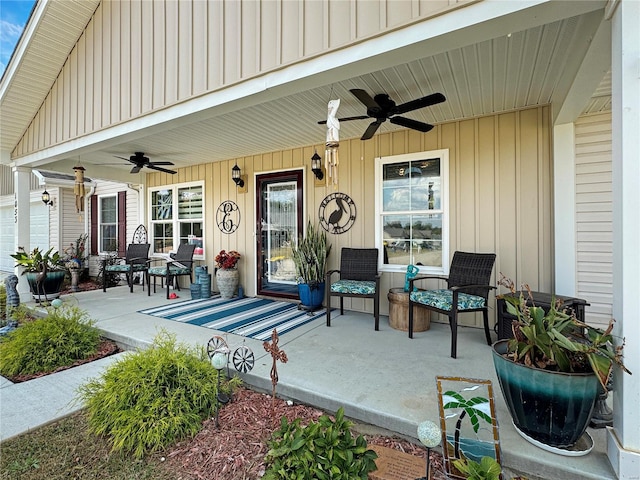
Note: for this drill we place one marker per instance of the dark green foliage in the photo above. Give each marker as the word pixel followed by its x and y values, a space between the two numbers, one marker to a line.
pixel 322 450
pixel 154 397
pixel 64 336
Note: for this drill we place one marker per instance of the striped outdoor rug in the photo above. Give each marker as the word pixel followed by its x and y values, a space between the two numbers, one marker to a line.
pixel 249 317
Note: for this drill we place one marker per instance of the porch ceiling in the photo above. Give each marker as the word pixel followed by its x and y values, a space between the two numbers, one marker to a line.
pixel 511 71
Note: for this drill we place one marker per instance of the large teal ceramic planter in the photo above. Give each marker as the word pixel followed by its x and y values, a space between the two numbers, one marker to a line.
pixel 553 408
pixel 52 284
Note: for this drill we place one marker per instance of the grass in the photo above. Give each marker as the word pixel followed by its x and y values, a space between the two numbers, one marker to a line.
pixel 67 449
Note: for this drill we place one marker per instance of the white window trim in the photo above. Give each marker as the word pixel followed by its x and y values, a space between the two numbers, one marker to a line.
pixel 100 200
pixel 176 230
pixel 444 173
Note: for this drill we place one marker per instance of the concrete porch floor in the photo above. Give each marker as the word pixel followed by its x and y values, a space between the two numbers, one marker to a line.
pixel 382 378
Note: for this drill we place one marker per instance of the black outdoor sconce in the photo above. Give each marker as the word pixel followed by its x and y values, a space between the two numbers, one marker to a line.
pixel 316 166
pixel 236 176
pixel 46 199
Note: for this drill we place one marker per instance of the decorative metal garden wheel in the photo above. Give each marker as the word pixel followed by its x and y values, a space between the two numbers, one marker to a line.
pixel 243 359
pixel 216 343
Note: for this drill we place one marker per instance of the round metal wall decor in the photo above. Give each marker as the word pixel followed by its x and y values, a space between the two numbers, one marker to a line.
pixel 337 212
pixel 228 217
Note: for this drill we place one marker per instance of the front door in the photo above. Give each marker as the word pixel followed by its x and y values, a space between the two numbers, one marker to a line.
pixel 278 223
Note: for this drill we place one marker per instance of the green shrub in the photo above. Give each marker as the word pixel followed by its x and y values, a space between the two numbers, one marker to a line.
pixel 152 398
pixel 321 450
pixel 63 336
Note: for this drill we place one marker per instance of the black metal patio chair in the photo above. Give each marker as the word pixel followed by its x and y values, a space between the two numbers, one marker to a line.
pixel 136 260
pixel 180 264
pixel 467 291
pixel 359 278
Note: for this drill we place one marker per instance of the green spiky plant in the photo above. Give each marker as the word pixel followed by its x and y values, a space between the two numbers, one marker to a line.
pixel 487 469
pixel 557 340
pixel 310 256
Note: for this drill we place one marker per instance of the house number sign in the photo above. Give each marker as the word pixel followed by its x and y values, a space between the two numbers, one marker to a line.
pixel 337 213
pixel 228 217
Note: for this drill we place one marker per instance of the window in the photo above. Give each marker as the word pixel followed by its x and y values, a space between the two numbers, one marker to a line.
pixel 177 216
pixel 411 211
pixel 108 224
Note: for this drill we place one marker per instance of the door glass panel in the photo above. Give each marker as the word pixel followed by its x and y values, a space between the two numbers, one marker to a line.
pixel 279 228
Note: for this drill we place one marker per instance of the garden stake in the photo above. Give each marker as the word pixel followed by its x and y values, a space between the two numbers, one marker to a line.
pixel 276 354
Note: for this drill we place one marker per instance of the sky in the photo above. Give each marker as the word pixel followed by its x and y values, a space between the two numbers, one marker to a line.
pixel 13 18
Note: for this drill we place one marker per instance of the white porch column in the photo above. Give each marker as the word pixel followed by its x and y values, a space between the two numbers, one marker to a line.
pixel 22 216
pixel 564 201
pixel 623 440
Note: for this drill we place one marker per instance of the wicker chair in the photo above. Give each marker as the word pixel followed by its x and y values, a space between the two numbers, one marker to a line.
pixel 467 291
pixel 181 263
pixel 359 278
pixel 135 261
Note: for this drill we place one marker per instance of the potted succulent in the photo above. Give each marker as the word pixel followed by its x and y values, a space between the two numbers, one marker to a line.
pixel 553 370
pixel 45 272
pixel 310 258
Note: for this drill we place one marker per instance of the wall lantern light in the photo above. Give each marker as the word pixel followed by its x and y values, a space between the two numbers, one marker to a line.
pixel 46 199
pixel 316 166
pixel 236 176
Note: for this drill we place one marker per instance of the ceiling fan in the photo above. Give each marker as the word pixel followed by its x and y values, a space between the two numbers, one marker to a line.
pixel 139 160
pixel 382 108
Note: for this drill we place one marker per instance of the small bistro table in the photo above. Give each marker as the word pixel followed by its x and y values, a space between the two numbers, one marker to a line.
pixel 399 312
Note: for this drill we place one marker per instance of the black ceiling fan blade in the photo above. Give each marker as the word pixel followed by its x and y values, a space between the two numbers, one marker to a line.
pixel 161 163
pixel 160 169
pixel 371 130
pixel 427 101
pixel 122 158
pixel 136 169
pixel 365 98
pixel 410 123
pixel 346 119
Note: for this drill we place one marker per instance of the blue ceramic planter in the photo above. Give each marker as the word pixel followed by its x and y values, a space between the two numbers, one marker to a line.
pixel 311 297
pixel 553 408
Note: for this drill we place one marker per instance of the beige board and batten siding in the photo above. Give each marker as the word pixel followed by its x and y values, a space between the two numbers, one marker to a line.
pixel 500 195
pixel 136 57
pixel 594 216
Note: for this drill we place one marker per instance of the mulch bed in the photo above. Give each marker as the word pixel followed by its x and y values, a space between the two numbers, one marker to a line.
pixel 237 448
pixel 106 348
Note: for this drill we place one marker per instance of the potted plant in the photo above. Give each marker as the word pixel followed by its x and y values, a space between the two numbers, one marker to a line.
pixel 552 371
pixel 45 271
pixel 227 276
pixel 75 257
pixel 310 259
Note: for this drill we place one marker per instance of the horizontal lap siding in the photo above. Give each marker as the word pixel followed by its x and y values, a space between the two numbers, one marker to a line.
pixel 594 227
pixel 500 172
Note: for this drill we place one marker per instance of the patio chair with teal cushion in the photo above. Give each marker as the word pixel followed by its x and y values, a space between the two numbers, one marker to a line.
pixel 467 291
pixel 181 263
pixel 359 278
pixel 135 261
